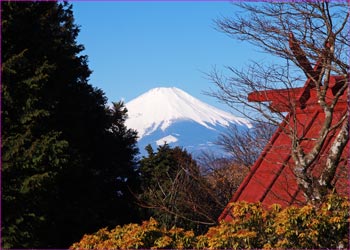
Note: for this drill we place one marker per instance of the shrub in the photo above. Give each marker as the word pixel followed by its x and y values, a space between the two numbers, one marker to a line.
pixel 148 235
pixel 252 226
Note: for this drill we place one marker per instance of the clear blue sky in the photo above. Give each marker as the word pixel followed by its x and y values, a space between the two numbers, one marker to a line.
pixel 138 45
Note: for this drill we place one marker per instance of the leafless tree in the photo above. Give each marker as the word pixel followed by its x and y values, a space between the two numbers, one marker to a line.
pixel 224 175
pixel 245 145
pixel 309 41
pixel 176 192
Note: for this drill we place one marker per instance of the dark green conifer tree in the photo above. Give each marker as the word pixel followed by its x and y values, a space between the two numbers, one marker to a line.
pixel 67 158
pixel 174 191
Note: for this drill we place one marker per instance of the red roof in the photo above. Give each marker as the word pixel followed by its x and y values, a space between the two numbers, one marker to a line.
pixel 271 178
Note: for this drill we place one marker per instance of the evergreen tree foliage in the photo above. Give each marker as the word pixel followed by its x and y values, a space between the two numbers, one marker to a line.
pixel 174 191
pixel 67 159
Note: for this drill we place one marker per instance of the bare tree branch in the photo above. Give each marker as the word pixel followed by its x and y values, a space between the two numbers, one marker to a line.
pixel 312 35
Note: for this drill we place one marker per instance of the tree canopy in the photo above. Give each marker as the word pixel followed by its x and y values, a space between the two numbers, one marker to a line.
pixel 67 158
pixel 176 190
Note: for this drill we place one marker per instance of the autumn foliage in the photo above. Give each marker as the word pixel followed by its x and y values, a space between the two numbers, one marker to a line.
pixel 252 226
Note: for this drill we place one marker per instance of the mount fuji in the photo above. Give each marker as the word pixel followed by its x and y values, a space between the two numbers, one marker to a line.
pixel 172 116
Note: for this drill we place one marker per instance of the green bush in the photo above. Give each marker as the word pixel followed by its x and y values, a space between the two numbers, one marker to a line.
pixel 252 226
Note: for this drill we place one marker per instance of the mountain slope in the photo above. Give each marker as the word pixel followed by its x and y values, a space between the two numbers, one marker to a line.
pixel 173 116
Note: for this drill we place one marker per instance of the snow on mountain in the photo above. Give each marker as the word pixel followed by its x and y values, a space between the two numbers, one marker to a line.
pixel 173 116
pixel 160 107
pixel 167 139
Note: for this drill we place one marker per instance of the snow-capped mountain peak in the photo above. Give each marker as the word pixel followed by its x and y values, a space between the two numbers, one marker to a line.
pixel 159 108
